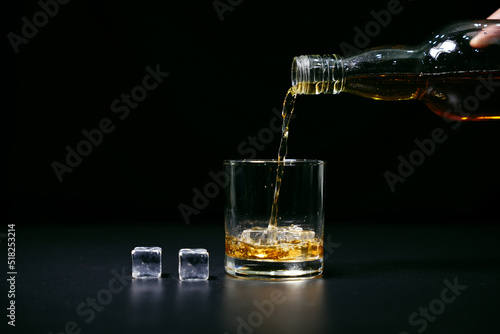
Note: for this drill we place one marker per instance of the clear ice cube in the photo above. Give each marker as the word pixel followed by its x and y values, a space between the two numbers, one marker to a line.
pixel 294 234
pixel 260 236
pixel 146 262
pixel 263 236
pixel 193 264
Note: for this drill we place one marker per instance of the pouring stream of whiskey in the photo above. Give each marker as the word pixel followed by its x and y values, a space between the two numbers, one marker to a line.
pixel 287 111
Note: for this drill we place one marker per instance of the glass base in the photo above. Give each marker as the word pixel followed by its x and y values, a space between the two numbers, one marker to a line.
pixel 273 270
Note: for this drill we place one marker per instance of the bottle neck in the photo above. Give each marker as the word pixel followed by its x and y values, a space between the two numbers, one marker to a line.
pixel 315 74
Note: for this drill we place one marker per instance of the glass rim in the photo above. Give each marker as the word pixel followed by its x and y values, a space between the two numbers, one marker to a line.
pixel 288 162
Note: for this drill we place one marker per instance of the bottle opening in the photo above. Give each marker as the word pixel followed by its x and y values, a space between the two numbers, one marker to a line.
pixel 299 68
pixel 315 74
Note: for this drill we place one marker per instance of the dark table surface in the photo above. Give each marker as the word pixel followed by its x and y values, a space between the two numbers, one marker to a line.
pixel 377 279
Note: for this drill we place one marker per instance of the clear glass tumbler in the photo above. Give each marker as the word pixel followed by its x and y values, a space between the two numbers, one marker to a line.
pixel 288 247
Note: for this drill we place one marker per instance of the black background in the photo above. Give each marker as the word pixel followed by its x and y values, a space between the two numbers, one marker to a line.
pixel 225 79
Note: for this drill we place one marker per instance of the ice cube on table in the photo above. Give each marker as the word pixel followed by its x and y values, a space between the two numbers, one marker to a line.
pixel 146 262
pixel 193 264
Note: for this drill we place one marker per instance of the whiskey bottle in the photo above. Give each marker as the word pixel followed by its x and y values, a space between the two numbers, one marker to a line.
pixel 455 72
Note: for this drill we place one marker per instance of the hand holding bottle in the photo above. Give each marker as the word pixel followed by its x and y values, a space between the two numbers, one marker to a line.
pixel 488 35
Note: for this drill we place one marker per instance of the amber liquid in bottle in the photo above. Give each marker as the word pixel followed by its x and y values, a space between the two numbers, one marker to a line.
pixel 469 96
